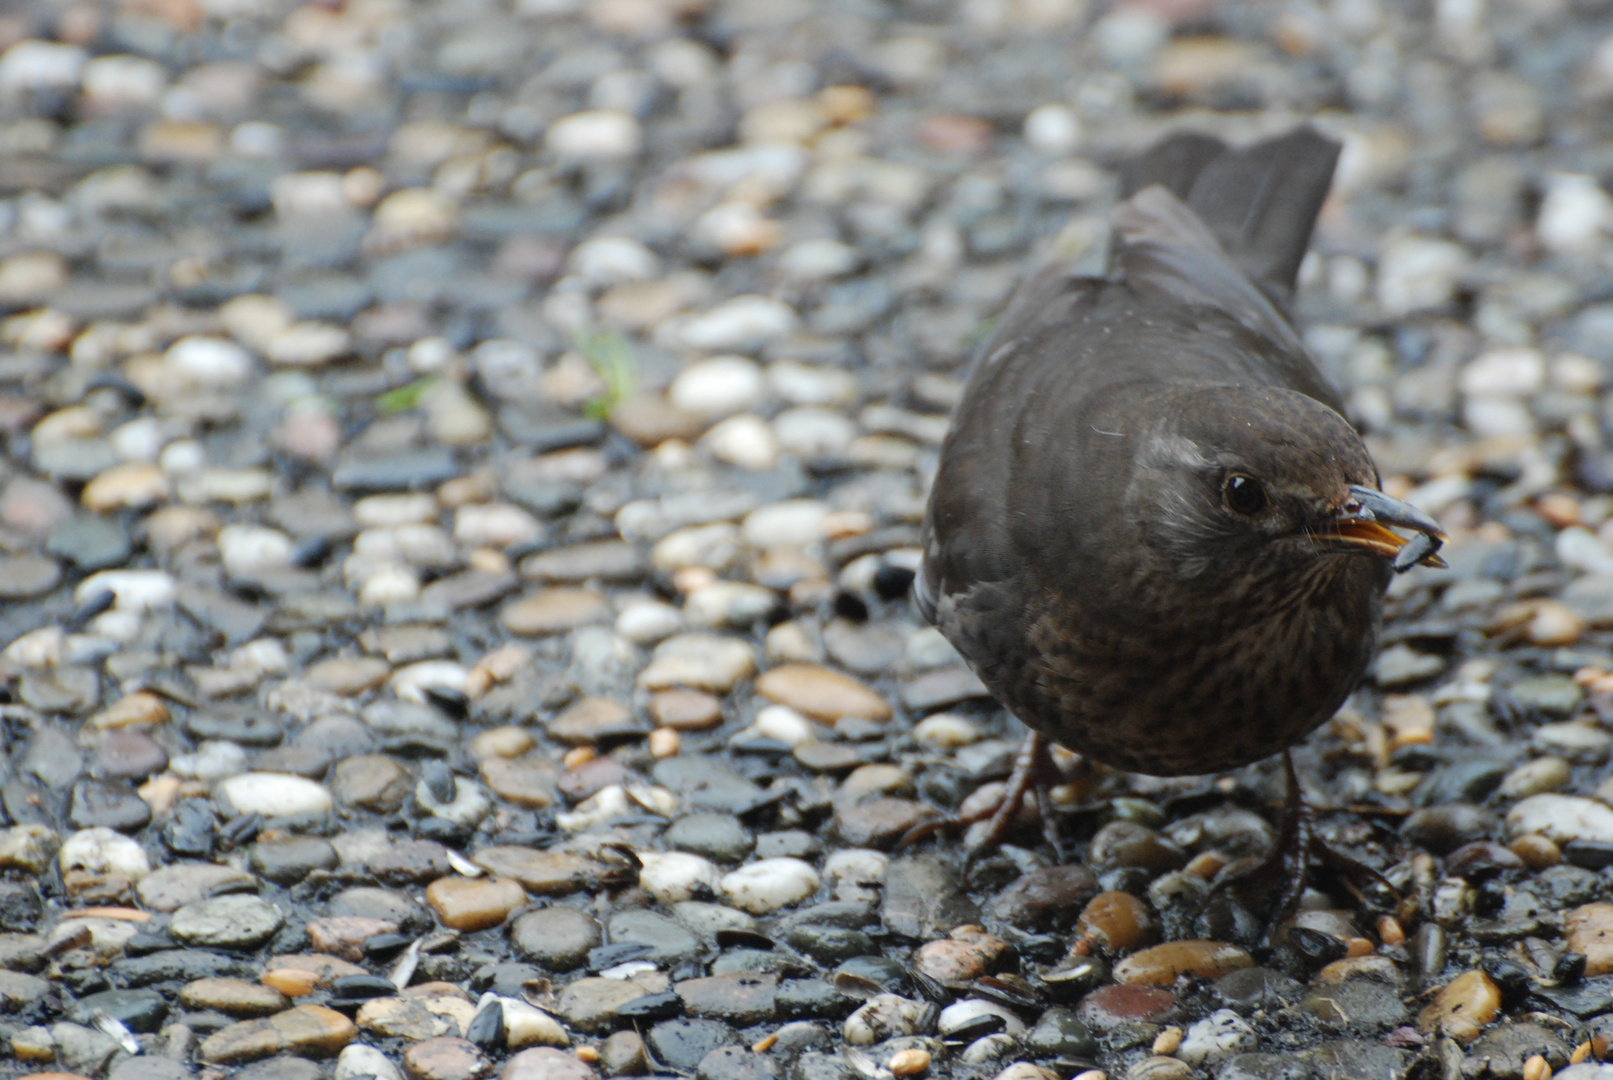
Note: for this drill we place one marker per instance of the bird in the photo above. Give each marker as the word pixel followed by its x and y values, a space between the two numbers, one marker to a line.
pixel 1152 533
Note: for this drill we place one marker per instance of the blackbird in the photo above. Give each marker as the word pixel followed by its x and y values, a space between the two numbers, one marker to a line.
pixel 1152 533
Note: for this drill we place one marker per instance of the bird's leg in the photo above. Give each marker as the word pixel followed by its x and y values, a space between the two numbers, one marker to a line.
pixel 1284 873
pixel 1034 773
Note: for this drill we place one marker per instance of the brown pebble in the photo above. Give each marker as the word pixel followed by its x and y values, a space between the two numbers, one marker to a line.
pixel 686 710
pixel 1462 1007
pixel 1588 929
pixel 1167 1042
pixel 1390 931
pixel 821 693
pixel 1537 852
pixel 1163 964
pixel 1535 1067
pixel 473 903
pixel 1115 921
pixel 445 1058
pixel 554 611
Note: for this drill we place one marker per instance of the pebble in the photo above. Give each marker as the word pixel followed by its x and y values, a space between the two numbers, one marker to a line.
pixel 473 903
pixel 229 922
pixel 821 693
pixel 1462 1007
pixel 274 795
pixel 1561 818
pixel 769 884
pixel 306 1030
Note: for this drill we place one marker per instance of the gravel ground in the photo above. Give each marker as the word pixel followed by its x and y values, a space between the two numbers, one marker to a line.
pixel 463 462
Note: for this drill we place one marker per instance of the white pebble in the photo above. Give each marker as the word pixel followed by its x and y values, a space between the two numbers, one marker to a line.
pixel 770 884
pixel 648 622
pixel 1053 130
pixel 881 1017
pixel 804 384
pixel 390 584
pixel 252 550
pixel 469 805
pixel 308 344
pixel 34 65
pixel 855 867
pixel 674 876
pixel 743 323
pixel 594 135
pixel 390 510
pixel 273 794
pixel 1562 818
pixel 613 260
pixel 728 603
pixel 960 1014
pixel 101 850
pixel 1217 1037
pixel 411 683
pixel 814 432
pixel 214 759
pixel 264 656
pixel 796 522
pixel 714 546
pixel 818 260
pixel 719 386
pixel 745 440
pixel 1580 549
pixel 209 361
pixel 124 80
pixel 495 525
pixel 1575 215
pixel 1511 371
pixel 138 440
pixel 1497 417
pixel 182 457
pixel 308 195
pixel 1417 272
pixel 358 1061
pixel 134 590
pixel 928 648
pixel 527 1025
pixel 783 725
pixel 40 648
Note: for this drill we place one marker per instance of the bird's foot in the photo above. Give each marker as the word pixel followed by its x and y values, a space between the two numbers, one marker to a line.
pixel 1275 886
pixel 1033 774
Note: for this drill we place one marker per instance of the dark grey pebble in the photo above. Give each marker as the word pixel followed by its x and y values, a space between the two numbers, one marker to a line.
pixel 716 836
pixel 1058 1032
pixel 1442 829
pixel 735 1063
pixel 141 1011
pixel 90 543
pixel 558 938
pixel 924 898
pixel 111 803
pixel 670 942
pixel 683 1042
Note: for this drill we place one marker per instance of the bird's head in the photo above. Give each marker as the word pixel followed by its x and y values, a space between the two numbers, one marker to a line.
pixel 1238 478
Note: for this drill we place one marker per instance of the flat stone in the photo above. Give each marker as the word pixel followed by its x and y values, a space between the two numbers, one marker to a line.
pixel 554 611
pixel 592 720
pixel 371 781
pixel 924 898
pixel 739 997
pixel 273 795
pixel 686 710
pixel 226 922
pixel 545 1063
pixel 233 997
pixel 558 938
pixel 670 942
pixel 445 1058
pixel 590 1004
pixel 307 1030
pixel 471 904
pixel 527 781
pixel 821 693
pixel 24 577
pixel 178 884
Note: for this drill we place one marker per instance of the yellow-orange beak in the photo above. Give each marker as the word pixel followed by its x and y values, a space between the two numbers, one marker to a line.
pixel 1361 524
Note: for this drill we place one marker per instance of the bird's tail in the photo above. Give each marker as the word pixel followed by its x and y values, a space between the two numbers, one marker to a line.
pixel 1260 201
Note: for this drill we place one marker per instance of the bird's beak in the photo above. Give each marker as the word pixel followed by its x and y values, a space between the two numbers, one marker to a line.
pixel 1361 524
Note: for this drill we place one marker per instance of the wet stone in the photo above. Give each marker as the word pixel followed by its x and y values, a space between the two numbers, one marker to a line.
pixel 684 1042
pixel 558 938
pixel 590 1004
pixel 1359 1005
pixel 25 577
pixel 1116 1006
pixel 545 1063
pixel 90 543
pixel 739 998
pixel 716 836
pixel 108 803
pixel 371 781
pixel 126 754
pixel 307 1030
pixel 141 1011
pixel 924 898
pixel 670 942
pixel 286 860
pixel 445 1058
pixel 735 1063
pixel 234 997
pixel 230 922
pixel 474 903
pixel 1058 1032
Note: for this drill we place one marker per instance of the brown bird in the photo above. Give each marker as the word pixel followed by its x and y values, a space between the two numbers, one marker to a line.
pixel 1152 533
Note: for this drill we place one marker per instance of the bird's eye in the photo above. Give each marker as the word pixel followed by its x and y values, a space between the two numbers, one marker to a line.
pixel 1244 494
